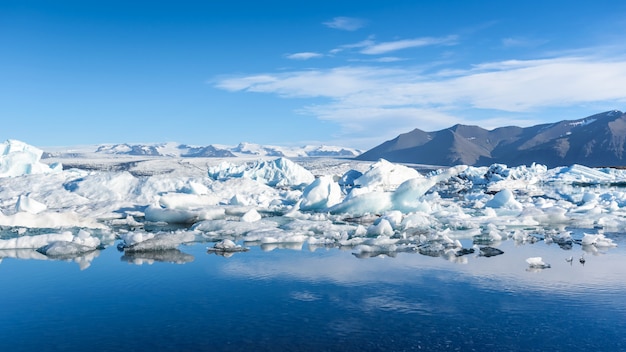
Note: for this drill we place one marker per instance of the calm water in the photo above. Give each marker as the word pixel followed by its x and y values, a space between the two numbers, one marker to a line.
pixel 315 301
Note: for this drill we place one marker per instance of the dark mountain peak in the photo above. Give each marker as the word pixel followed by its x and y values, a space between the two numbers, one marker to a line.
pixel 596 140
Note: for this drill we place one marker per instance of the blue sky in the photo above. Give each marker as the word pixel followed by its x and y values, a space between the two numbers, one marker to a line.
pixel 350 73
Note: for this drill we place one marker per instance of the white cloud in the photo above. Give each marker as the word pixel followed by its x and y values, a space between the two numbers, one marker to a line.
pixel 304 56
pixel 345 23
pixel 385 47
pixel 384 59
pixel 521 42
pixel 383 101
pixel 241 83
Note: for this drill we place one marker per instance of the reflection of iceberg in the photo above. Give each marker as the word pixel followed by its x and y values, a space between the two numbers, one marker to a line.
pixel 82 259
pixel 166 256
pixel 22 254
pixel 140 241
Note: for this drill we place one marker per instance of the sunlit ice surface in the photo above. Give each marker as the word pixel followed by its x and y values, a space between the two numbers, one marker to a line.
pixel 312 254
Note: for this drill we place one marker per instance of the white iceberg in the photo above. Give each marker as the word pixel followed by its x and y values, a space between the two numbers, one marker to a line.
pixel 537 263
pixel 18 158
pixel 27 204
pixel 280 172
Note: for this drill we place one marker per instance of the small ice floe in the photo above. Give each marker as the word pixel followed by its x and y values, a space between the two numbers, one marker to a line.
pixel 65 249
pixel 140 241
pixel 489 251
pixel 598 241
pixel 226 246
pixel 537 263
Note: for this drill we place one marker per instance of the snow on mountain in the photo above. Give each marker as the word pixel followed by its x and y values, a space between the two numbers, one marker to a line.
pixel 295 152
pixel 242 149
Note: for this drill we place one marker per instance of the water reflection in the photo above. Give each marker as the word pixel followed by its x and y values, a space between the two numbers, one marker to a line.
pixel 319 300
pixel 603 269
pixel 84 260
pixel 173 256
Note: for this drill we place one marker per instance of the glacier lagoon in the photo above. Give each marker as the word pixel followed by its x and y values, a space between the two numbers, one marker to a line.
pixel 145 255
pixel 326 299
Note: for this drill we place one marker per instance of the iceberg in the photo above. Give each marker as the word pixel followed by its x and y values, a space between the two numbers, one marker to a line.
pixel 537 263
pixel 27 204
pixel 321 194
pixel 18 158
pixel 280 172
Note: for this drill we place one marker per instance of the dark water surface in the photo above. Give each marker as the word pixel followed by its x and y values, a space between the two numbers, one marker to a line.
pixel 325 300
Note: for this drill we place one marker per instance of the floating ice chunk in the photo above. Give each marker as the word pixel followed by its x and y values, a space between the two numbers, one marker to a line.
pixel 83 239
pixel 537 263
pixel 251 216
pixel 583 174
pixel 504 199
pixel 18 158
pixel 64 249
pixel 322 193
pixel 279 172
pixel 394 217
pixel 49 219
pixel 238 199
pixel 182 216
pixel 382 228
pixel 385 176
pixel 346 182
pixel 227 246
pixel 221 228
pixel 144 241
pixel 418 220
pixel 276 235
pixel 490 251
pixel 407 197
pixel 27 204
pixel 598 240
pixel 187 201
pixel 367 203
pixel 196 188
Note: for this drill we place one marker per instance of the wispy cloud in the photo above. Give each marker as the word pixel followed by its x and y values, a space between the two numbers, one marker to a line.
pixel 384 59
pixel 521 42
pixel 386 47
pixel 390 100
pixel 304 56
pixel 345 23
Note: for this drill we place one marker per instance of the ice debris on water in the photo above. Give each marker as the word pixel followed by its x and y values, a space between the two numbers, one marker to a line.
pixel 227 246
pixel 373 209
pixel 537 263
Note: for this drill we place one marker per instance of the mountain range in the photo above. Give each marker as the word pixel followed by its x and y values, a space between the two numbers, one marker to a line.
pixel 597 140
pixel 215 151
